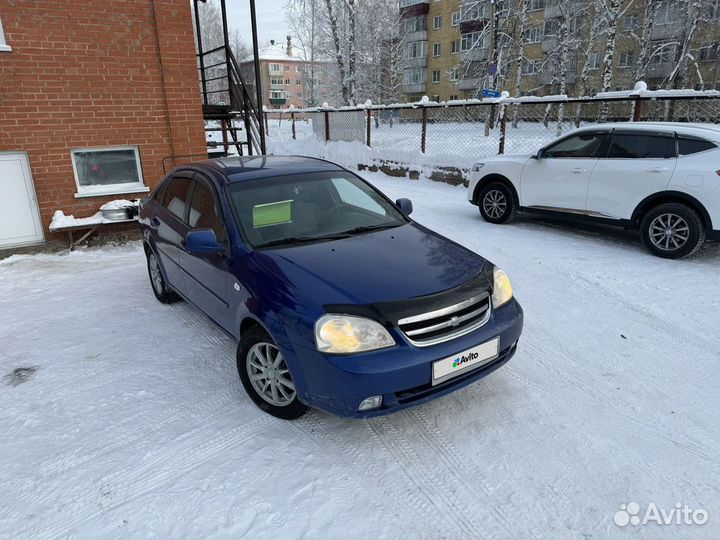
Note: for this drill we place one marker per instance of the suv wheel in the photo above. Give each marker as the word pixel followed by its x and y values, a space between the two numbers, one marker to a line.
pixel 497 203
pixel 266 377
pixel 672 231
pixel 162 292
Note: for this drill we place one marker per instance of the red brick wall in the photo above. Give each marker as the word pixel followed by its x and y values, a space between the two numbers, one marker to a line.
pixel 97 73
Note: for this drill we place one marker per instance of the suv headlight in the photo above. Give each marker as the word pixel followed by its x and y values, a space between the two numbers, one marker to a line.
pixel 342 334
pixel 502 289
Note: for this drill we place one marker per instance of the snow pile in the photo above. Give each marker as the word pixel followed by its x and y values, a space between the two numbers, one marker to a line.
pixel 60 220
pixel 118 204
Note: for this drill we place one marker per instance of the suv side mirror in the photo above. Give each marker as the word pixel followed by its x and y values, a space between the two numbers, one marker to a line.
pixel 539 154
pixel 405 206
pixel 202 241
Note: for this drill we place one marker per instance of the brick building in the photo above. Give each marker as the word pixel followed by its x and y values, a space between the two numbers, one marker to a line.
pixel 93 96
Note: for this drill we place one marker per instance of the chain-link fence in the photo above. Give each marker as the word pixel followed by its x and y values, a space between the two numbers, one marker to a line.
pixel 455 133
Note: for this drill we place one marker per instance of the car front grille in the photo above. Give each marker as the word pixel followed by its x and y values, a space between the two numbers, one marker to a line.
pixel 447 323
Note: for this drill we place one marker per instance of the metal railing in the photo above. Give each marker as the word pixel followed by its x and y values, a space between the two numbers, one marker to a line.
pixel 455 133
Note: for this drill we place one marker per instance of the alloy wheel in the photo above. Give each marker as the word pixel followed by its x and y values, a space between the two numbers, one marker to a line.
pixel 155 274
pixel 669 232
pixel 494 204
pixel 269 374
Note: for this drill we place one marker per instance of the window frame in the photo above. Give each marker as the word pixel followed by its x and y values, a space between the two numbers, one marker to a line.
pixel 437 22
pixel 639 133
pixel 109 189
pixel 4 47
pixel 200 178
pixel 598 153
pixel 190 177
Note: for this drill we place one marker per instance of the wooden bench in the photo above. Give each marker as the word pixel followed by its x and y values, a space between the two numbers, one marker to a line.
pixel 88 224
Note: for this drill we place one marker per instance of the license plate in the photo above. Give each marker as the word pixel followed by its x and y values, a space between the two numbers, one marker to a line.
pixel 463 362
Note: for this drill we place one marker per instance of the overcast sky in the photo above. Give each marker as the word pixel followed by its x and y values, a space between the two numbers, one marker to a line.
pixel 270 15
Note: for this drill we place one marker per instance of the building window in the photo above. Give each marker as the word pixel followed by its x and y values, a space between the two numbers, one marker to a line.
pixel 417 49
pixel 415 24
pixel 287 82
pixel 436 76
pixel 627 58
pixel 471 41
pixel 455 18
pixel 108 170
pixel 298 82
pixel 455 46
pixel 708 52
pixel 298 69
pixel 533 35
pixel 437 49
pixel 437 22
pixel 276 81
pixel 630 22
pixel 276 68
pixel 4 47
pixel 278 94
pixel 594 60
pixel 665 52
pixel 453 97
pixel 454 74
pixel 415 76
pixel 536 5
pixel 528 67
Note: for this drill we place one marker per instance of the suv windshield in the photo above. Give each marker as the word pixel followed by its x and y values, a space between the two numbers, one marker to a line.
pixel 309 208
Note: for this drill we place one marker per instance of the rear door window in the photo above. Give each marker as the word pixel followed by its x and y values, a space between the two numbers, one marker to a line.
pixel 641 146
pixel 582 145
pixel 691 145
pixel 176 196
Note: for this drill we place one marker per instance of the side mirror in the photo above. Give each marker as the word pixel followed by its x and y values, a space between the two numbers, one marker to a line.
pixel 405 206
pixel 539 154
pixel 202 241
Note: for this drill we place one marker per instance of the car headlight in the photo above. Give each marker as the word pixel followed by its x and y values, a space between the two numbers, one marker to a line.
pixel 478 166
pixel 342 334
pixel 502 289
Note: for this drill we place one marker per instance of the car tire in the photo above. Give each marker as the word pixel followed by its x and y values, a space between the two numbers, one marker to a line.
pixel 266 378
pixel 497 203
pixel 157 281
pixel 672 231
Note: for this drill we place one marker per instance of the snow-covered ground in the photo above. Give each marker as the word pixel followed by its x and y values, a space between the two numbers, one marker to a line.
pixel 123 417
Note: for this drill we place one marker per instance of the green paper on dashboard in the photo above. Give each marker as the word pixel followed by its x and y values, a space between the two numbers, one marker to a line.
pixel 265 215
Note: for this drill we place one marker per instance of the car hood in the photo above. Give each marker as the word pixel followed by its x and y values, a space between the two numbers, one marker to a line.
pixel 404 262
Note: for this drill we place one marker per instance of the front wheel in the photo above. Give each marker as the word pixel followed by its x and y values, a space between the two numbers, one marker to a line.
pixel 497 203
pixel 672 231
pixel 266 377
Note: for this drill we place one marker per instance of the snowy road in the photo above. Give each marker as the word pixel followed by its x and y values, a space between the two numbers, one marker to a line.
pixel 131 421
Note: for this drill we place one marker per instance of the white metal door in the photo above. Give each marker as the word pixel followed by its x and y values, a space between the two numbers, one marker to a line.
pixel 19 216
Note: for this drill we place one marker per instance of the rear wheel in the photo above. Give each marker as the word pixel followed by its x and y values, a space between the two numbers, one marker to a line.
pixel 497 203
pixel 162 292
pixel 672 231
pixel 266 377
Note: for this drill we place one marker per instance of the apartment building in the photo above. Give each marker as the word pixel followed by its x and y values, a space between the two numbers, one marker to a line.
pixel 288 78
pixel 457 48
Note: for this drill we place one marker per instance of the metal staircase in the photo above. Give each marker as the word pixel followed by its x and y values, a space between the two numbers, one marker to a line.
pixel 233 121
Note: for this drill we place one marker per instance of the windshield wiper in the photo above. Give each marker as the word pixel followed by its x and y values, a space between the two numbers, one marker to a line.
pixel 367 228
pixel 295 240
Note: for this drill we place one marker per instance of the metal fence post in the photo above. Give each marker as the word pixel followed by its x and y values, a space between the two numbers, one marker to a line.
pixel 423 136
pixel 292 117
pixel 369 117
pixel 637 111
pixel 327 126
pixel 267 125
pixel 503 125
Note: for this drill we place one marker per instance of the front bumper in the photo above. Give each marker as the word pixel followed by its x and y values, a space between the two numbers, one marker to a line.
pixel 401 374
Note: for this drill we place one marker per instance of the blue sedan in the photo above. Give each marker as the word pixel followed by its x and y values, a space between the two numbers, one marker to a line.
pixel 338 300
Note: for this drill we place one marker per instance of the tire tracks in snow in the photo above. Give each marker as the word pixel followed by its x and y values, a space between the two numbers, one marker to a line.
pixel 191 451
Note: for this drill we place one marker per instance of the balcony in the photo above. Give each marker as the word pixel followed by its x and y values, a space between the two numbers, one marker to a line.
pixel 475 55
pixel 420 35
pixel 656 71
pixel 419 62
pixel 550 76
pixel 469 84
pixel 664 31
pixel 550 43
pixel 274 71
pixel 475 25
pixel 414 8
pixel 280 86
pixel 417 88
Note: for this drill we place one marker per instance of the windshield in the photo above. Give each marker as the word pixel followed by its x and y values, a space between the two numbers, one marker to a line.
pixel 309 208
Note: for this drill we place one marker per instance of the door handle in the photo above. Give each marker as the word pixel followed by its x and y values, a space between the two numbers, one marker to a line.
pixel 578 170
pixel 658 170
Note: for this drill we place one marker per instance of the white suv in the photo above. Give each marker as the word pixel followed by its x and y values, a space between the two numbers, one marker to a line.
pixel 662 179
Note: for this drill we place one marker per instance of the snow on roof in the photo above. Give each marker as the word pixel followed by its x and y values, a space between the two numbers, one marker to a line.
pixel 277 52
